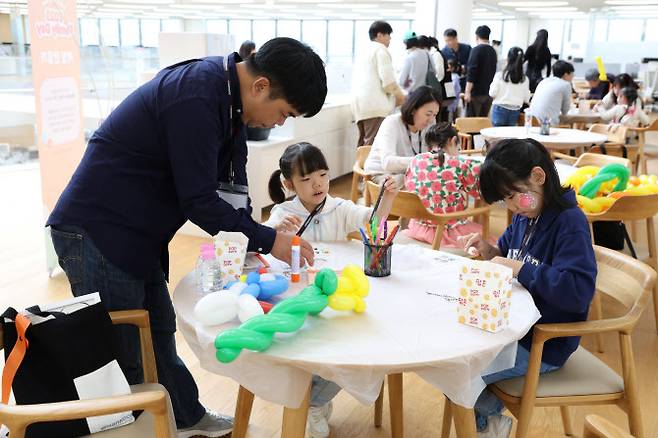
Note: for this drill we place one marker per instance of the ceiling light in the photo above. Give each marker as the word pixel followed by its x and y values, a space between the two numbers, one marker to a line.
pixel 533 4
pixel 271 8
pixel 564 9
pixel 634 8
pixel 148 2
pixel 349 6
pixel 127 7
pixel 631 2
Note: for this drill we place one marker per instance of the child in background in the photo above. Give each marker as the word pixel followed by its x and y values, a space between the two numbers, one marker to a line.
pixel 627 111
pixel 549 249
pixel 455 108
pixel 305 171
pixel 443 181
pixel 510 89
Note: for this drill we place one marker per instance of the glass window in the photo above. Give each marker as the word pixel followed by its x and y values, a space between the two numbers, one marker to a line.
pixel 241 30
pixel 578 38
pixel 340 41
pixel 625 31
pixel 314 33
pixel 651 34
pixel 172 25
pixel 263 31
pixel 397 48
pixel 217 26
pixel 150 32
pixel 361 37
pixel 509 37
pixel 110 32
pixel 601 30
pixel 130 32
pixel 89 35
pixel 288 28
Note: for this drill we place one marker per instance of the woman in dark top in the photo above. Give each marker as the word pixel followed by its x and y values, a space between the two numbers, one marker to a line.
pixel 538 56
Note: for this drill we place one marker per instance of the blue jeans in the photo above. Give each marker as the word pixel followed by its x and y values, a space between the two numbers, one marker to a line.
pixel 504 117
pixel 89 271
pixel 488 404
pixel 322 391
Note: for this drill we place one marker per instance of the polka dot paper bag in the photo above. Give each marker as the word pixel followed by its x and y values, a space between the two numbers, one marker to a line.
pixel 231 250
pixel 485 295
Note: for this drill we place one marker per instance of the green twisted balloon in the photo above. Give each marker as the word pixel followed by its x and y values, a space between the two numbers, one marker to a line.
pixel 287 316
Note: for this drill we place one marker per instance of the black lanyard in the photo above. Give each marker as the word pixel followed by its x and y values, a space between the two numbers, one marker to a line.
pixel 310 217
pixel 529 232
pixel 411 145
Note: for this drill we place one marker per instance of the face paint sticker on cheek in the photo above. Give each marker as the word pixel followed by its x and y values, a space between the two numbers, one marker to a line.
pixel 527 201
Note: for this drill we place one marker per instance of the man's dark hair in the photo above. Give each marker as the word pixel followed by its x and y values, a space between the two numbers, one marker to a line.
pixel 379 27
pixel 592 74
pixel 561 68
pixel 246 48
pixel 450 33
pixel 417 98
pixel 296 74
pixel 424 42
pixel 483 32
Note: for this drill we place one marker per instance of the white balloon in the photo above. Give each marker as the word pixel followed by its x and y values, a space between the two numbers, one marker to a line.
pixel 236 289
pixel 248 307
pixel 216 308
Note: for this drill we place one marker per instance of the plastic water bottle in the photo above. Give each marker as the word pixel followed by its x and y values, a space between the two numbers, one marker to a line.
pixel 527 122
pixel 207 272
pixel 545 128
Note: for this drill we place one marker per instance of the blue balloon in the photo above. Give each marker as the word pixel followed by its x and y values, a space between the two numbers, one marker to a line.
pixel 253 277
pixel 252 289
pixel 268 289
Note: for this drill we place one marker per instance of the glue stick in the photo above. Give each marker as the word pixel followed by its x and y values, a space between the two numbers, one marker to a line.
pixel 296 247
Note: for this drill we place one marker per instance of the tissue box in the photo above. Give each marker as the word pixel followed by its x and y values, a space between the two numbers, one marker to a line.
pixel 485 295
pixel 231 252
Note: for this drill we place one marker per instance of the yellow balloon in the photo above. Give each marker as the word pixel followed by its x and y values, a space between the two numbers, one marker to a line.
pixel 599 64
pixel 341 302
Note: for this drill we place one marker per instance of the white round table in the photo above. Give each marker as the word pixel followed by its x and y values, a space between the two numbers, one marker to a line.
pixel 404 329
pixel 558 139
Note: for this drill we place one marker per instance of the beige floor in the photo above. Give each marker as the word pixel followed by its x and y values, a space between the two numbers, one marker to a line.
pixel 24 281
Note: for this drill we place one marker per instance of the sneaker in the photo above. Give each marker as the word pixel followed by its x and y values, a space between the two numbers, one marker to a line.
pixel 211 425
pixel 317 425
pixel 498 426
pixel 327 410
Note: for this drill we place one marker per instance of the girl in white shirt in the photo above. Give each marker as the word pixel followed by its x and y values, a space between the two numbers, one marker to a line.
pixel 627 111
pixel 304 170
pixel 509 89
pixel 402 136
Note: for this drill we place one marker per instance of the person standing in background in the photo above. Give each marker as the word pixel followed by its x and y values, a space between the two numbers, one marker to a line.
pixel 510 90
pixel 458 51
pixel 416 64
pixel 443 76
pixel 246 49
pixel 538 57
pixel 375 93
pixel 479 75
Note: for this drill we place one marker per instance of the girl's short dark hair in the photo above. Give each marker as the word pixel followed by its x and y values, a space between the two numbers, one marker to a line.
pixel 630 93
pixel 246 48
pixel 439 135
pixel 300 158
pixel 509 163
pixel 417 98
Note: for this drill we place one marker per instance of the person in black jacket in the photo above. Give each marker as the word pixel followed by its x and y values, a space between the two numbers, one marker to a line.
pixel 479 75
pixel 538 56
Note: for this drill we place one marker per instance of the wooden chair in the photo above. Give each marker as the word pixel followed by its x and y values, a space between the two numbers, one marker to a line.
pixel 616 143
pixel 407 204
pixel 635 208
pixel 358 174
pixel 469 126
pixel 642 151
pixel 597 427
pixel 585 379
pixel 156 420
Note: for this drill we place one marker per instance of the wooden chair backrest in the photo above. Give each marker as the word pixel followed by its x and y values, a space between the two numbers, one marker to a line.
pixel 472 125
pixel 600 160
pixel 618 135
pixel 627 280
pixel 362 153
pixel 406 204
pixel 628 208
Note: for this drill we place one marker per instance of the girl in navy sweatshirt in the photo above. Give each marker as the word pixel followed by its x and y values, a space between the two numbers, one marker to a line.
pixel 547 246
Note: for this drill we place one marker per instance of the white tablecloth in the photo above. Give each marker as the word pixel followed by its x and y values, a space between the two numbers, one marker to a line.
pixel 559 138
pixel 404 329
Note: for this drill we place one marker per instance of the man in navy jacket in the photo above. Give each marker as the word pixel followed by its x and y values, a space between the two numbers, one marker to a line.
pixel 156 162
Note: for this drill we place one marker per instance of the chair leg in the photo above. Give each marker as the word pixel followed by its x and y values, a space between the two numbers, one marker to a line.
pixel 354 196
pixel 395 405
pixel 447 418
pixel 242 412
pixel 465 422
pixel 597 313
pixel 653 262
pixel 566 420
pixel 630 386
pixel 655 304
pixel 379 407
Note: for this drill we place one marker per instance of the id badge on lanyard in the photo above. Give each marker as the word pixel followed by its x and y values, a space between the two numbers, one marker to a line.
pixel 235 194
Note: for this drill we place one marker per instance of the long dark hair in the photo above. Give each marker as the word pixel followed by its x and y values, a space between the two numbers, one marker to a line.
pixel 541 45
pixel 509 163
pixel 300 158
pixel 440 134
pixel 514 68
pixel 417 98
pixel 623 80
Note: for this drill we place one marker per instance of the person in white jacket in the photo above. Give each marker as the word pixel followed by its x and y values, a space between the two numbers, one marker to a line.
pixel 303 170
pixel 510 89
pixel 402 136
pixel 375 92
pixel 627 111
